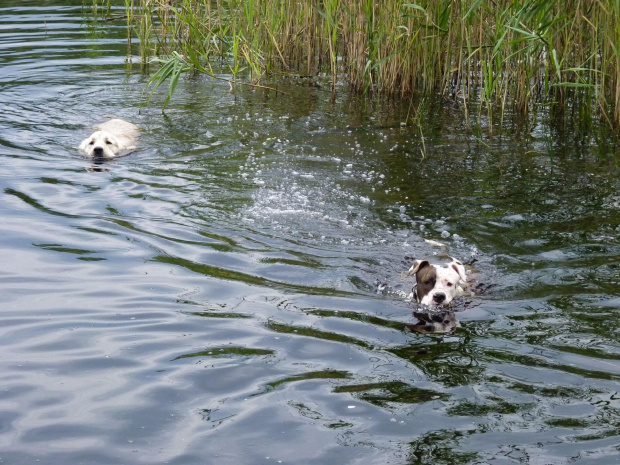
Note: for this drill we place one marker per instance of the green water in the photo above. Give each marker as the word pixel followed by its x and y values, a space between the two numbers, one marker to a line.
pixel 212 298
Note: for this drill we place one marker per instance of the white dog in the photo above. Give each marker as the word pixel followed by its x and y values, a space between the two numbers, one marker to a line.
pixel 438 284
pixel 110 139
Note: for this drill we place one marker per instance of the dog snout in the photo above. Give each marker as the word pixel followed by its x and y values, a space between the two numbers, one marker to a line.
pixel 439 297
pixel 98 151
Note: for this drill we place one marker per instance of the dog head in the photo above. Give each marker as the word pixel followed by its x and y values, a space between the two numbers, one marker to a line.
pixel 438 284
pixel 101 144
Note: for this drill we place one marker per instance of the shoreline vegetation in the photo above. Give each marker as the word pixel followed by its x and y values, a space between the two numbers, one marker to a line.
pixel 497 56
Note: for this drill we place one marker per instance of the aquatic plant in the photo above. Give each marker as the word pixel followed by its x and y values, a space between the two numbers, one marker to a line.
pixel 506 55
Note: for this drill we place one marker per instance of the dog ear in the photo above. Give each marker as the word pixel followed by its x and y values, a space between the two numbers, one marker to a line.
pixel 418 265
pixel 84 144
pixel 460 269
pixel 114 139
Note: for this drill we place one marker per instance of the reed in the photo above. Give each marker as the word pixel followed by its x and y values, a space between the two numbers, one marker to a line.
pixel 500 55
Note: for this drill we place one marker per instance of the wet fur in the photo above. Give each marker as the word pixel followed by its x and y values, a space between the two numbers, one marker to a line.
pixel 438 285
pixel 110 139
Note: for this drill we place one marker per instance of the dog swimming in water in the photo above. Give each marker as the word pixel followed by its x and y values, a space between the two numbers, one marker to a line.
pixel 111 139
pixel 438 285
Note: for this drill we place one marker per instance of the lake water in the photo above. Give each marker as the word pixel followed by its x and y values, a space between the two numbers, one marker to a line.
pixel 211 298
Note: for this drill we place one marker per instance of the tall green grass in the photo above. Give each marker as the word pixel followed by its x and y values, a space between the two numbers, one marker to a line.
pixel 502 55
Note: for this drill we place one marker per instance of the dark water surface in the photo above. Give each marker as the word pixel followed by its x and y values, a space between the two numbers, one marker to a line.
pixel 210 299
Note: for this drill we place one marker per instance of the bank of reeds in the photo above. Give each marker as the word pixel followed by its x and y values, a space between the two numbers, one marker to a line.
pixel 502 54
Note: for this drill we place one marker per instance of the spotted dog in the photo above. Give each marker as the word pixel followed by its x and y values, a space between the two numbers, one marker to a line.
pixel 438 285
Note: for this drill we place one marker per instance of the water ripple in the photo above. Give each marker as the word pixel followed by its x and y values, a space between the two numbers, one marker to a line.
pixel 214 293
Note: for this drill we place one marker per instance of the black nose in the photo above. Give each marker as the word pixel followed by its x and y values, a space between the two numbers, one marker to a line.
pixel 98 151
pixel 439 297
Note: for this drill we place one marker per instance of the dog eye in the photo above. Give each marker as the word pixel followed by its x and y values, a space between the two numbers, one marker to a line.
pixel 108 142
pixel 92 142
pixel 450 284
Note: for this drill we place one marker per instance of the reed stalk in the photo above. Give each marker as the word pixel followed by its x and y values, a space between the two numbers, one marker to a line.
pixel 501 55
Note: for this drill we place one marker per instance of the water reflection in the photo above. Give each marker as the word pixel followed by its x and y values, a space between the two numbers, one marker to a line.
pixel 214 294
pixel 432 321
pixel 227 352
pixel 391 392
pixel 98 168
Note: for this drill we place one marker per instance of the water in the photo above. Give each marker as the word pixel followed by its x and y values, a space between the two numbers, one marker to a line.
pixel 211 297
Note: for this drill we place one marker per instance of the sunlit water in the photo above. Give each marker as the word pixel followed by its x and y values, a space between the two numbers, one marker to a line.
pixel 211 297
